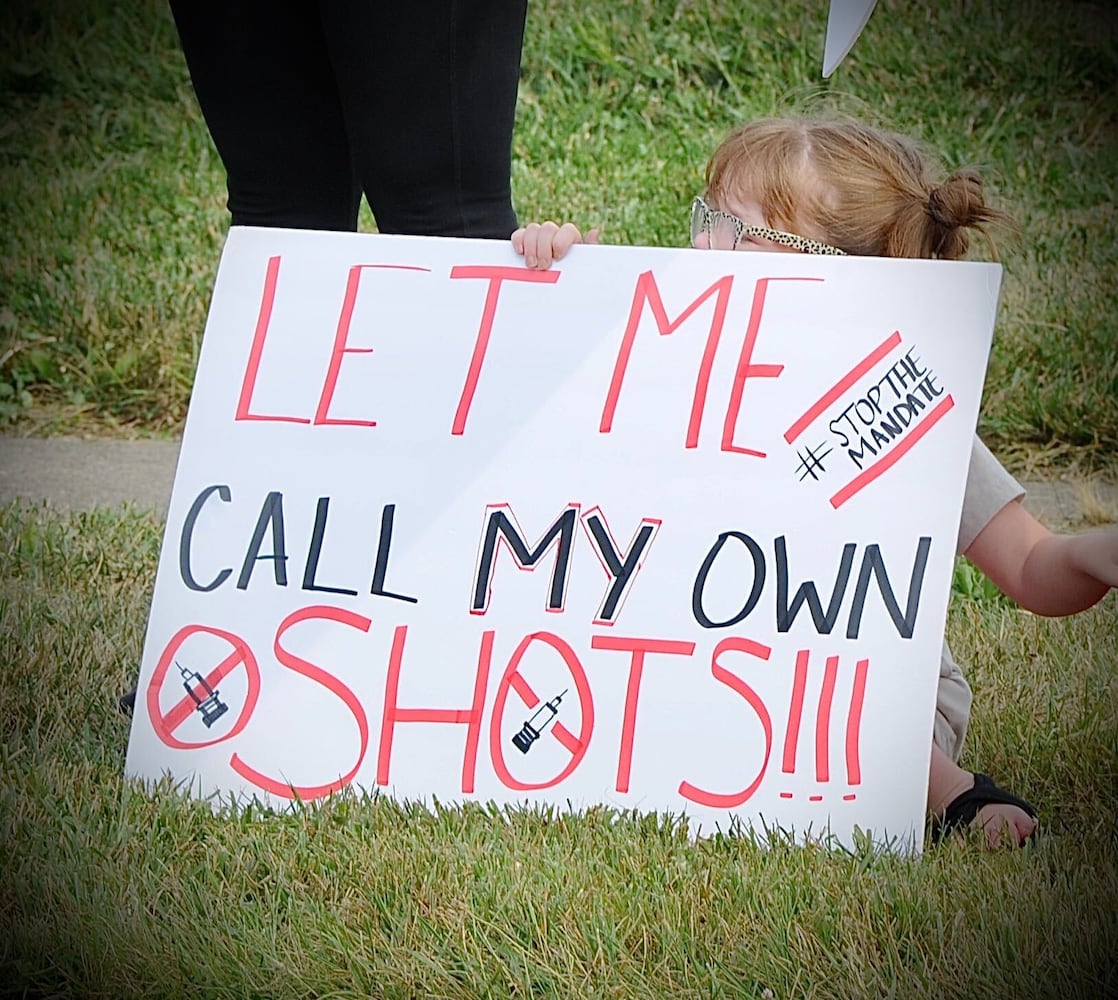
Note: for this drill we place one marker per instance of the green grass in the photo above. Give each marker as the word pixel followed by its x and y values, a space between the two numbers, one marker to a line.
pixel 107 890
pixel 112 197
pixel 112 212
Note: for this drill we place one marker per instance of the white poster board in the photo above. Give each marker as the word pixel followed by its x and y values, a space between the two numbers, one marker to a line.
pixel 665 530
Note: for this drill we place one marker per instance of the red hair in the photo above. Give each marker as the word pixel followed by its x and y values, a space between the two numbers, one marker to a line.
pixel 867 191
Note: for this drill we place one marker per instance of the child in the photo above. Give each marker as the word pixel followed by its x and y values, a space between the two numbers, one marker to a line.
pixel 841 187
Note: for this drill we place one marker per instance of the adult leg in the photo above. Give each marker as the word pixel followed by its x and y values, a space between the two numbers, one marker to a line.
pixel 266 88
pixel 429 94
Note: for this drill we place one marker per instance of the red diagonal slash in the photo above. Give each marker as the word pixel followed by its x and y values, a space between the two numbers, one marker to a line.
pixel 181 711
pixel 165 723
pixel 812 413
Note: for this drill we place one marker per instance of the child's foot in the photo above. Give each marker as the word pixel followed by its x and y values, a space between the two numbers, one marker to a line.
pixel 1006 820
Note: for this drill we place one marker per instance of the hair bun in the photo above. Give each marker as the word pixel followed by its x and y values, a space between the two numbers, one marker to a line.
pixel 958 201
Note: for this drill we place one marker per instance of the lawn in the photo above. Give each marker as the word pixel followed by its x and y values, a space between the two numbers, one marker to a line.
pixel 113 217
pixel 107 891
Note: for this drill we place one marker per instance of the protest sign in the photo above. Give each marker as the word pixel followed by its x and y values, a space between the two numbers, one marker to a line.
pixel 664 530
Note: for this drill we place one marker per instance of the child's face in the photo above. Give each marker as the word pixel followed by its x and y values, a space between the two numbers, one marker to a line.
pixel 739 224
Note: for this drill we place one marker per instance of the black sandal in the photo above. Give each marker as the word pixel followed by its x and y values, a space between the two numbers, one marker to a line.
pixel 962 809
pixel 127 701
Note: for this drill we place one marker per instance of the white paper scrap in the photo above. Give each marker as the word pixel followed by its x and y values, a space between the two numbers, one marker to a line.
pixel 845 22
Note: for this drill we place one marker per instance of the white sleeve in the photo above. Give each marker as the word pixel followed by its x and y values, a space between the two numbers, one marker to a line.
pixel 989 488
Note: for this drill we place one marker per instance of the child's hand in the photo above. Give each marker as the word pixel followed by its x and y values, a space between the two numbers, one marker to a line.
pixel 1097 555
pixel 1046 573
pixel 541 243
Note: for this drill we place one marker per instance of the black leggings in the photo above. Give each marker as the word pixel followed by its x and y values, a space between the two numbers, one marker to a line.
pixel 312 102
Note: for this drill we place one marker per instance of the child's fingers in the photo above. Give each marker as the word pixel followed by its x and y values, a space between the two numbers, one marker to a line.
pixel 521 243
pixel 543 243
pixel 539 238
pixel 594 236
pixel 566 236
pixel 524 242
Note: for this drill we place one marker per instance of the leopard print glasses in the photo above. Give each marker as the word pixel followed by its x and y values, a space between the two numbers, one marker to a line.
pixel 725 232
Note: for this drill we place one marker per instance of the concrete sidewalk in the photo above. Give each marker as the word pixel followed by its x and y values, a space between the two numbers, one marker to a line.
pixel 77 474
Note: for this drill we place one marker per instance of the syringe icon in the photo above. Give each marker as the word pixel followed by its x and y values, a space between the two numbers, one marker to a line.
pixel 530 731
pixel 207 704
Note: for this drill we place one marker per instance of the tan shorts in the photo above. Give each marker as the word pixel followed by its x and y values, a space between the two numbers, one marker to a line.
pixel 953 701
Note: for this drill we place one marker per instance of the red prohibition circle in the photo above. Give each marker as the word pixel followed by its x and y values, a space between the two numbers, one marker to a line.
pixel 586 702
pixel 164 723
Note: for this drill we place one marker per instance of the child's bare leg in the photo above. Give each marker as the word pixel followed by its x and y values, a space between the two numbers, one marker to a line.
pixel 947 781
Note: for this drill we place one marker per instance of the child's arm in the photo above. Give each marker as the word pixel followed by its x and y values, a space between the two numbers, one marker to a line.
pixel 540 243
pixel 1046 573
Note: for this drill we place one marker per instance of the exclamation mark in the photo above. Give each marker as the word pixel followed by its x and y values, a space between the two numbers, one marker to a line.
pixel 823 725
pixel 854 727
pixel 795 713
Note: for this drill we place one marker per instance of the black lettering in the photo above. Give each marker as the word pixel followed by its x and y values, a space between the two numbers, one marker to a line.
pixel 858 454
pixel 380 570
pixel 498 523
pixel 704 571
pixel 914 364
pixel 914 403
pixel 890 426
pixel 271 512
pixel 807 594
pixel 873 394
pixel 187 537
pixel 880 439
pixel 903 413
pixel 842 434
pixel 622 572
pixel 873 563
pixel 867 419
pixel 929 389
pixel 314 551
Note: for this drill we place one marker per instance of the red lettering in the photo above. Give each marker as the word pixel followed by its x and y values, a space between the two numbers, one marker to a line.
pixel 746 369
pixel 854 724
pixel 648 291
pixel 470 717
pixel 636 648
pixel 823 721
pixel 577 745
pixel 795 712
pixel 341 338
pixel 264 318
pixel 285 789
pixel 495 275
pixel 732 799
